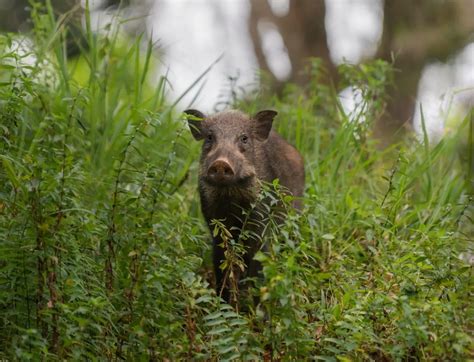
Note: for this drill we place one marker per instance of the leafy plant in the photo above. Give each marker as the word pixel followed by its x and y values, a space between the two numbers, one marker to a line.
pixel 103 254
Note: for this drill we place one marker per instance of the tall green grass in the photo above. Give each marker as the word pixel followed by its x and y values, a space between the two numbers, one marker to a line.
pixel 104 255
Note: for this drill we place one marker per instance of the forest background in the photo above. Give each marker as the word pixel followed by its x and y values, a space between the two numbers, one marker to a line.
pixel 103 251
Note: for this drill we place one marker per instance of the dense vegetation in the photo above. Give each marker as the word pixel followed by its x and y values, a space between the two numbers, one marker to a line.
pixel 104 255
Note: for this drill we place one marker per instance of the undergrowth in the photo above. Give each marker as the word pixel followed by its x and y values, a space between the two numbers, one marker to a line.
pixel 104 255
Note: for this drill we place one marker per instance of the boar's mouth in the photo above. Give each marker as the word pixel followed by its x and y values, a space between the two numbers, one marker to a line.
pixel 240 182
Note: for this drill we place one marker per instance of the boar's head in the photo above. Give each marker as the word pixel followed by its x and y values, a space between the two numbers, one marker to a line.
pixel 232 145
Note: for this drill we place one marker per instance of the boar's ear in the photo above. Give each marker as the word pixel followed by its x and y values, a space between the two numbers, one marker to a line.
pixel 195 118
pixel 263 123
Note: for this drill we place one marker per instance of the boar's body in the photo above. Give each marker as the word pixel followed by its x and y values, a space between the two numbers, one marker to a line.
pixel 239 152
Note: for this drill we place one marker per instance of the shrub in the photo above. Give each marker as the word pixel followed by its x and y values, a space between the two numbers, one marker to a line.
pixel 103 253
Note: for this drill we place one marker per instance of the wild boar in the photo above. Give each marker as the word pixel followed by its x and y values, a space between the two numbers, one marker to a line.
pixel 238 153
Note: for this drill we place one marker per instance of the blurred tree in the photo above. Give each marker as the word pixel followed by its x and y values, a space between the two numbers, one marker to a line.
pixel 15 16
pixel 302 30
pixel 417 32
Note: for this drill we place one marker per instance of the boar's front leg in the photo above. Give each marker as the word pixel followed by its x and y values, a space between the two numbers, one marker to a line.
pixel 218 258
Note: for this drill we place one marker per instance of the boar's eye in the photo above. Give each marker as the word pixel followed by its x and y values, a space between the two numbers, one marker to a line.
pixel 244 139
pixel 209 138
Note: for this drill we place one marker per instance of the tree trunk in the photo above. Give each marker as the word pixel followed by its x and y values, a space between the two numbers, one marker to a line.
pixel 303 32
pixel 414 33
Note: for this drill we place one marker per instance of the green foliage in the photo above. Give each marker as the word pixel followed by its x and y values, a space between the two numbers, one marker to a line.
pixel 103 253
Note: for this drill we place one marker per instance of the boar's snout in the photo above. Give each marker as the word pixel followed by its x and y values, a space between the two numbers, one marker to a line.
pixel 221 172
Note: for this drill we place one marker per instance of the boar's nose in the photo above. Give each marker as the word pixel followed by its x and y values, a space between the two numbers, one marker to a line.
pixel 220 171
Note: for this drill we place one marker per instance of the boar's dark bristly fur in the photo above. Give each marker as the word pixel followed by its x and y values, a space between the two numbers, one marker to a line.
pixel 237 153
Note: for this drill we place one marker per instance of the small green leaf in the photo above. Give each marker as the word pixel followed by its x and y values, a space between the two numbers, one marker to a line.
pixel 212 316
pixel 328 237
pixel 10 171
pixel 220 330
pixel 7 66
